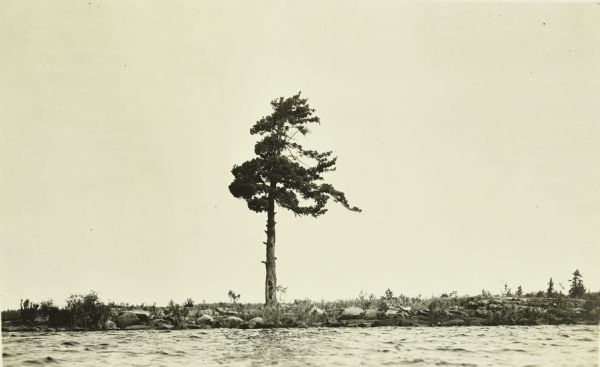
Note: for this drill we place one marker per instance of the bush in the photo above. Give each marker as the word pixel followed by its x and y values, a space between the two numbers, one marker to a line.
pixel 87 311
pixel 28 311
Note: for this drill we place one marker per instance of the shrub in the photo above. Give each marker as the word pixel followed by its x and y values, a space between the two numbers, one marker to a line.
pixel 28 311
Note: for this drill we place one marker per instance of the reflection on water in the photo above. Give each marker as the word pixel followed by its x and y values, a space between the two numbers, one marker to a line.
pixel 463 346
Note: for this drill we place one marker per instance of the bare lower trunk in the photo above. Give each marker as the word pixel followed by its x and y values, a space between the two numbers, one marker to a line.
pixel 271 278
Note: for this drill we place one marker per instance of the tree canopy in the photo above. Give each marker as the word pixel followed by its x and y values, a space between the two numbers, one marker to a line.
pixel 283 168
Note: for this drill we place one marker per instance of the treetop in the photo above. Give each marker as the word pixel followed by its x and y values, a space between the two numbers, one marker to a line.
pixel 283 170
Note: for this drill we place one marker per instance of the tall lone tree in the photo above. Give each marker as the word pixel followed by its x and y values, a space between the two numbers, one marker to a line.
pixel 283 173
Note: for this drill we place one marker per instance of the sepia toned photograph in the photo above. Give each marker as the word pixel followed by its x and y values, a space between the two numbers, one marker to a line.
pixel 299 183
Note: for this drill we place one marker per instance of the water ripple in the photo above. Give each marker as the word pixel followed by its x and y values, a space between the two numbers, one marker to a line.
pixel 473 346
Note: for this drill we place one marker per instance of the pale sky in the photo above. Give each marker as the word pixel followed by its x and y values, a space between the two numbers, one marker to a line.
pixel 468 134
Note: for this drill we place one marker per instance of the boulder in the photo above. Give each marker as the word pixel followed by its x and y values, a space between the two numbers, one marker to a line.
pixel 371 314
pixel 110 325
pixel 231 322
pixel 204 319
pixel 352 313
pixel 144 316
pixel 392 312
pixel 207 311
pixel 405 308
pixel 127 319
pixel 458 313
pixel 332 323
pixel 256 322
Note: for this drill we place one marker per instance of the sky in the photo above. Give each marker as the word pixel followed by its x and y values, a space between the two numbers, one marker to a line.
pixel 467 132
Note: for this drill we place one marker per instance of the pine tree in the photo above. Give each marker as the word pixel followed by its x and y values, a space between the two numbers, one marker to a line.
pixel 577 289
pixel 519 292
pixel 550 288
pixel 285 174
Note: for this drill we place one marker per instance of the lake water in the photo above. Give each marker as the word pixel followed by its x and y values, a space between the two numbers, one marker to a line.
pixel 452 346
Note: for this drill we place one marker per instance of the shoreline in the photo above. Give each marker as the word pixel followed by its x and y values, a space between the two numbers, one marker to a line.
pixel 440 312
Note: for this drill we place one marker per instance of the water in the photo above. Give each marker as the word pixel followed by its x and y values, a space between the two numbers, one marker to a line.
pixel 452 346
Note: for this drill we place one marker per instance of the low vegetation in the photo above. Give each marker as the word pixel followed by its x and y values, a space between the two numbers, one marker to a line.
pixel 88 312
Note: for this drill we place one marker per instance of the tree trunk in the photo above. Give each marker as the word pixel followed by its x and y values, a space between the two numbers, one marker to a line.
pixel 271 278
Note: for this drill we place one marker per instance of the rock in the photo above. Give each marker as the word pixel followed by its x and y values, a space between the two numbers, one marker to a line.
pixel 157 322
pixel 244 326
pixel 204 319
pixel 371 314
pixel 138 327
pixel 302 325
pixel 227 312
pixel 144 316
pixel 332 323
pixel 316 311
pixel 391 312
pixel 165 326
pixel 458 313
pixel 231 322
pixel 454 322
pixel 424 312
pixel 127 319
pixel 256 322
pixel 352 313
pixel 110 325
pixel 405 308
pixel 207 311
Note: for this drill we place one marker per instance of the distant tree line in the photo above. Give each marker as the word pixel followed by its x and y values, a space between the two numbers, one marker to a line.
pixel 81 311
pixel 576 289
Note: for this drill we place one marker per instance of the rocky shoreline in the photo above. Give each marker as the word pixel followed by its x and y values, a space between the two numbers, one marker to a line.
pixel 467 311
